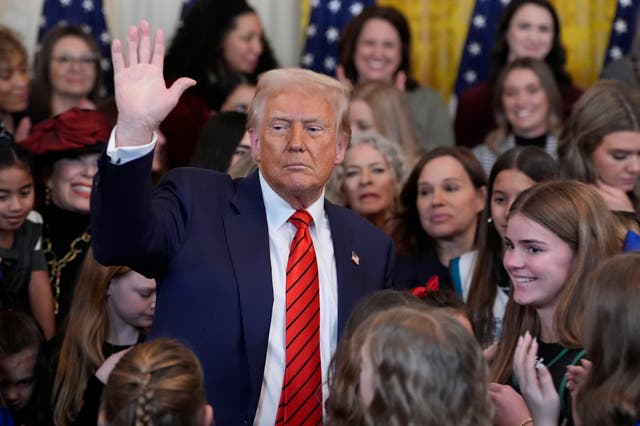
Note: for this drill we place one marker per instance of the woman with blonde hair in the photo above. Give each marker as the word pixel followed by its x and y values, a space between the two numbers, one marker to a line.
pixel 528 111
pixel 410 366
pixel 557 232
pixel 112 308
pixel 379 106
pixel 156 383
pixel 600 144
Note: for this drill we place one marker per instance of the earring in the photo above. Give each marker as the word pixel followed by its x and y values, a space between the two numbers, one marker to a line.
pixel 489 220
pixel 47 196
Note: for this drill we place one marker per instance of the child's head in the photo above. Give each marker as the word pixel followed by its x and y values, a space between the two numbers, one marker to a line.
pixel 448 301
pixel 514 171
pixel 20 342
pixel 568 223
pixel 156 383
pixel 557 232
pixel 420 367
pixel 611 393
pixel 16 184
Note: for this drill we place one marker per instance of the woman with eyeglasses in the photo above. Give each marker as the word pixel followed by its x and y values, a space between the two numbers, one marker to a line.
pixel 67 72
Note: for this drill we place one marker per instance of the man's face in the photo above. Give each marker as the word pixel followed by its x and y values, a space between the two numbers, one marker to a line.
pixel 296 146
pixel 17 378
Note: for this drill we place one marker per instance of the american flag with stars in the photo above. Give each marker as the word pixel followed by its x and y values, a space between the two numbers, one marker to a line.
pixel 474 62
pixel 327 18
pixel 89 15
pixel 622 29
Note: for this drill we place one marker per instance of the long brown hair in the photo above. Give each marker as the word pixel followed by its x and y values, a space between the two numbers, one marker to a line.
pixel 408 234
pixel 578 216
pixel 548 84
pixel 81 352
pixel 607 107
pixel 42 88
pixel 610 394
pixel 535 163
pixel 157 383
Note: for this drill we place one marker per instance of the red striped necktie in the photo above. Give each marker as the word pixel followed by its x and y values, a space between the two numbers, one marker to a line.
pixel 301 397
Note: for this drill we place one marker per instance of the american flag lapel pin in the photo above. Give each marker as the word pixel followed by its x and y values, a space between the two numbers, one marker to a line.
pixel 355 258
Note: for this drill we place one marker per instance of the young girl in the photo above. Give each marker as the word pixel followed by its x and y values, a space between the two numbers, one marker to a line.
pixel 24 281
pixel 486 293
pixel 111 308
pixel 610 391
pixel 556 234
pixel 156 383
pixel 410 365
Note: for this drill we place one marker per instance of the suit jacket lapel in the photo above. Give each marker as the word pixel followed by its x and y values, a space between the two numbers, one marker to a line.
pixel 347 270
pixel 248 240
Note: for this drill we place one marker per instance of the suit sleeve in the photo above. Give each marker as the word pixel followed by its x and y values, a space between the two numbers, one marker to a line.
pixel 127 226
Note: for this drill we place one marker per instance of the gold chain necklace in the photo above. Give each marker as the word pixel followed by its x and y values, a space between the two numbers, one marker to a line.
pixel 55 266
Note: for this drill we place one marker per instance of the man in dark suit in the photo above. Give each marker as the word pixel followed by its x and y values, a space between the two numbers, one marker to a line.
pixel 220 247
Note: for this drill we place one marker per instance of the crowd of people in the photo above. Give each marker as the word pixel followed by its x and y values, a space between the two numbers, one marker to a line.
pixel 339 251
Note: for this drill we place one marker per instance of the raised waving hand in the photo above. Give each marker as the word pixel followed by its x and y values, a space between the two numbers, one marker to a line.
pixel 142 96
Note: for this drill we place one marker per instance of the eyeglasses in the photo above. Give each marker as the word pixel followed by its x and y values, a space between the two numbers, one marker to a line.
pixel 69 59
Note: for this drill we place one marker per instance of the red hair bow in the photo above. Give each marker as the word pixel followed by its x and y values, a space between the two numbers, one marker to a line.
pixel 433 284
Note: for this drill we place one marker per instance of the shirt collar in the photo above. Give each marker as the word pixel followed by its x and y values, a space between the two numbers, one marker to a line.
pixel 279 211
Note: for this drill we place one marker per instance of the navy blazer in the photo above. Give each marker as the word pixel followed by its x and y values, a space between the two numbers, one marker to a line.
pixel 204 237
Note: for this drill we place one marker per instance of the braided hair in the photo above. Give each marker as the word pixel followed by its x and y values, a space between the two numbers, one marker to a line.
pixel 156 383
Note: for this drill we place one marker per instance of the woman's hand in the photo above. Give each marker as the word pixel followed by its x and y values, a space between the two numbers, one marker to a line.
pixel 615 198
pixel 509 409
pixel 536 383
pixel 103 372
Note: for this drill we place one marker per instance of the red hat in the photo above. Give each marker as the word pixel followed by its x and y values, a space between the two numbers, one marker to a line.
pixel 70 134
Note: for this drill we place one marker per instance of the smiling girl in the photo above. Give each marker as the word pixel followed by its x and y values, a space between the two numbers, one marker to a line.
pixel 528 111
pixel 557 232
pixel 24 282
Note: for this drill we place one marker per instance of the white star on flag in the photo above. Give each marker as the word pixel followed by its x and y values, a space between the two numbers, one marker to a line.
pixel 334 6
pixel 105 64
pixel 329 63
pixel 315 3
pixel 87 5
pixel 470 76
pixel 311 30
pixel 615 52
pixel 479 21
pixel 625 3
pixel 620 26
pixel 475 49
pixel 86 28
pixel 307 60
pixel 105 38
pixel 356 8
pixel 332 34
pixel 65 3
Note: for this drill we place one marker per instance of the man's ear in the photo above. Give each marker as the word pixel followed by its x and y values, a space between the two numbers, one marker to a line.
pixel 342 143
pixel 255 144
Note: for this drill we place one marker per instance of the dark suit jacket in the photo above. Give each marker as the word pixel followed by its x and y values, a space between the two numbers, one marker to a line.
pixel 204 236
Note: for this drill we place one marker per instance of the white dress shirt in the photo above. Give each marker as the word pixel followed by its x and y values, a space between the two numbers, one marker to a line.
pixel 281 233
